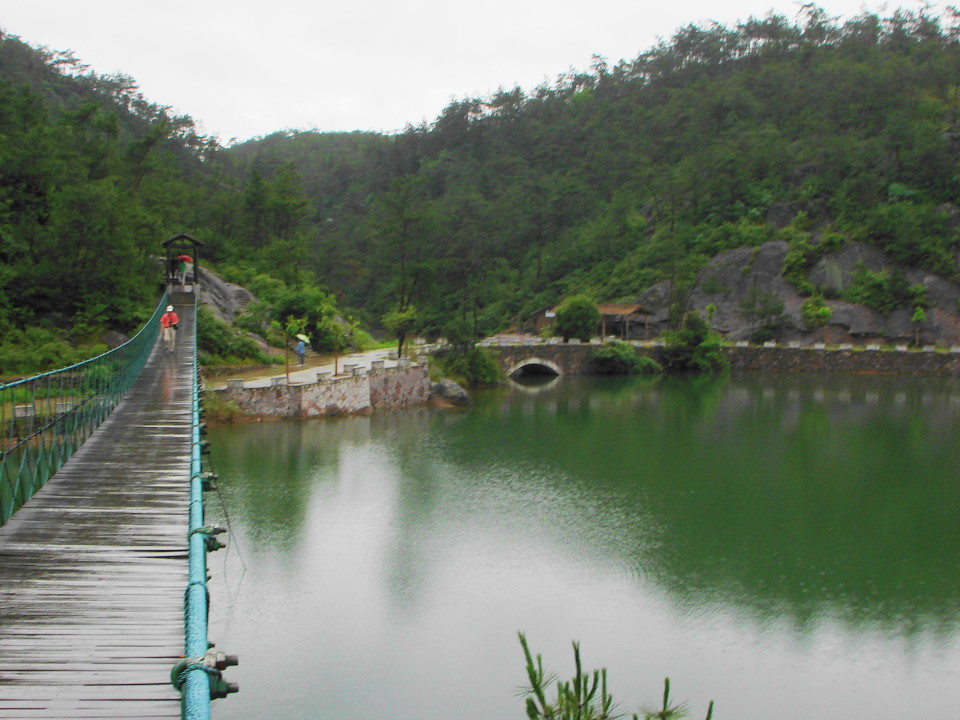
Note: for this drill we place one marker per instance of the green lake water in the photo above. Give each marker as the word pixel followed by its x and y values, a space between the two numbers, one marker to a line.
pixel 784 545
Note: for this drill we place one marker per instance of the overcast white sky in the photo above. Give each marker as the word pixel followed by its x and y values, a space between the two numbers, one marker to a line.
pixel 243 68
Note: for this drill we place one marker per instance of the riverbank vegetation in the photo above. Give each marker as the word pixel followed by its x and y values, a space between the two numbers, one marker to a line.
pixel 223 344
pixel 462 361
pixel 585 696
pixel 619 358
pixel 603 183
pixel 693 348
pixel 32 349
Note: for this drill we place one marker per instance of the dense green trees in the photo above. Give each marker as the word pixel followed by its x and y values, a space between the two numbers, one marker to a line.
pixel 612 179
pixel 602 183
pixel 92 178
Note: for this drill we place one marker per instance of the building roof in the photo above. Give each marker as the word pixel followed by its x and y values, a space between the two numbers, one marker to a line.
pixel 182 239
pixel 619 309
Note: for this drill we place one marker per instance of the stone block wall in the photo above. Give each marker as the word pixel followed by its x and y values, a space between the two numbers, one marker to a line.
pixel 399 388
pixel 279 401
pixel 385 389
pixel 339 396
pixel 876 362
pixel 569 359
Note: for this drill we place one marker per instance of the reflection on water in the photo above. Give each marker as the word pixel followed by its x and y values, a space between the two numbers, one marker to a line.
pixel 534 384
pixel 778 496
pixel 756 539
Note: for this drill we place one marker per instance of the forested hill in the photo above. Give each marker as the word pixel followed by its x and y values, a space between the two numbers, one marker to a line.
pixel 612 179
pixel 811 131
pixel 93 177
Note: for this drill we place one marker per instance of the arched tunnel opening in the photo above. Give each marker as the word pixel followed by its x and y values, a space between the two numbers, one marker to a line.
pixel 534 371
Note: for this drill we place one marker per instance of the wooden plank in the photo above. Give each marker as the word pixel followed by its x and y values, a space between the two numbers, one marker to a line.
pixel 93 710
pixel 90 676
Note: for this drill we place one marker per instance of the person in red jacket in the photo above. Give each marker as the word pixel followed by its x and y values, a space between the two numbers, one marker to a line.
pixel 169 322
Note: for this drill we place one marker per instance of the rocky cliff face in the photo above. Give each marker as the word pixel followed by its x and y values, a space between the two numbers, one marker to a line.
pixel 733 276
pixel 224 299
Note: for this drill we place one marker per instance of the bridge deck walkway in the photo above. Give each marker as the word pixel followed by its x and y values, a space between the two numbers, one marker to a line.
pixel 94 567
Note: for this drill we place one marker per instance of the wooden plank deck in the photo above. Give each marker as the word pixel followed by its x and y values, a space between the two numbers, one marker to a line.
pixel 94 567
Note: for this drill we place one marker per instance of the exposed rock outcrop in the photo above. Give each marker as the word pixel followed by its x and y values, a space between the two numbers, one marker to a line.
pixel 835 272
pixel 225 299
pixel 451 392
pixel 730 278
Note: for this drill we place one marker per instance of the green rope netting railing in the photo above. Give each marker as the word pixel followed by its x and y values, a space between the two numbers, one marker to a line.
pixel 46 418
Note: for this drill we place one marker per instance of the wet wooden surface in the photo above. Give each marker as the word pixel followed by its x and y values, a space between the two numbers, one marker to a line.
pixel 94 567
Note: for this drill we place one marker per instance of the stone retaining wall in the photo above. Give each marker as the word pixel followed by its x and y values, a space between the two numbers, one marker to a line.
pixel 400 388
pixel 385 389
pixel 339 396
pixel 575 359
pixel 879 362
pixel 278 401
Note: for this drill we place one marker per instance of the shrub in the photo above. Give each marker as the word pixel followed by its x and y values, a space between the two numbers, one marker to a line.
pixel 877 290
pixel 914 234
pixel 693 348
pixel 814 312
pixel 618 358
pixel 579 699
pixel 803 255
pixel 220 343
pixel 463 361
pixel 711 310
pixel 796 263
pixel 34 350
pixel 221 409
pixel 365 341
pixel 884 291
pixel 917 296
pixel 577 317
pixel 474 367
pixel 254 318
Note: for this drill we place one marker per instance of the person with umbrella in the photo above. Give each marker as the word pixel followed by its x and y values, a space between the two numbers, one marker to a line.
pixel 301 349
pixel 182 268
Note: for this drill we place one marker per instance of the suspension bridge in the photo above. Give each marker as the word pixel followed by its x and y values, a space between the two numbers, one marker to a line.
pixel 103 598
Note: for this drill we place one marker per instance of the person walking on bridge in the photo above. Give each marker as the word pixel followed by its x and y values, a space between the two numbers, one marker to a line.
pixel 169 322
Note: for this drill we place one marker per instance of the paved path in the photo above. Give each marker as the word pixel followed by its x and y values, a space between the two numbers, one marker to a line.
pixel 309 375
